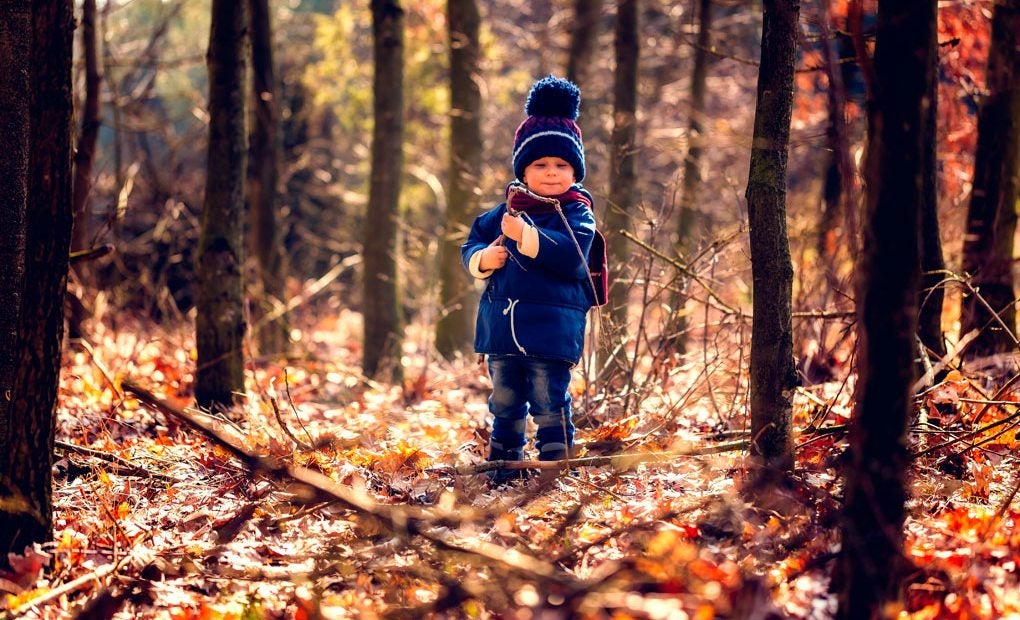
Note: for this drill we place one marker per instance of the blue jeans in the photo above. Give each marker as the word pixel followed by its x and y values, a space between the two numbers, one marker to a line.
pixel 522 385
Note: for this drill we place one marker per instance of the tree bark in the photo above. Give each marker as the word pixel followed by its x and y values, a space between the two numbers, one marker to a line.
pixel 991 218
pixel 26 512
pixel 688 215
pixel 457 299
pixel 584 36
pixel 265 235
pixel 772 369
pixel 219 323
pixel 836 226
pixel 85 154
pixel 623 161
pixel 872 529
pixel 931 295
pixel 383 331
pixel 16 35
pixel 84 158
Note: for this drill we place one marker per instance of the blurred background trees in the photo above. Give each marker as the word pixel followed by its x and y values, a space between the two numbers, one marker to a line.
pixel 148 177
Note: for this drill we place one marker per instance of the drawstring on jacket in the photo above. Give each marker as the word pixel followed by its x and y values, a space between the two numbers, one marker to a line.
pixel 513 332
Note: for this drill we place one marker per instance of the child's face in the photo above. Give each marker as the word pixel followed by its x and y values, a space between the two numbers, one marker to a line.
pixel 549 176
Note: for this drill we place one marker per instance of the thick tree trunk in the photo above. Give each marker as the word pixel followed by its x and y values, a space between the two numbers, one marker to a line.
pixel 773 373
pixel 16 34
pixel 265 236
pixel 219 323
pixel 872 530
pixel 991 219
pixel 25 489
pixel 456 297
pixel 381 299
pixel 623 156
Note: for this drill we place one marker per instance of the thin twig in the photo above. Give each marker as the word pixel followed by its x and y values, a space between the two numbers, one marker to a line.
pixel 293 408
pixel 683 269
pixel 283 424
pixel 966 435
pixel 998 394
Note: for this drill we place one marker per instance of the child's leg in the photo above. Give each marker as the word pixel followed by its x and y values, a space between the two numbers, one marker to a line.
pixel 550 404
pixel 509 406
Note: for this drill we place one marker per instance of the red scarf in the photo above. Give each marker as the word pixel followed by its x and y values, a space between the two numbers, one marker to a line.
pixel 527 203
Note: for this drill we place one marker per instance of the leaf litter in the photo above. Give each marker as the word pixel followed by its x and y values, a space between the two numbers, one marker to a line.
pixel 195 532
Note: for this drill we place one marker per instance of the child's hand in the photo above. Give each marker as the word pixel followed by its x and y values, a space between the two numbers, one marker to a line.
pixel 513 227
pixel 494 256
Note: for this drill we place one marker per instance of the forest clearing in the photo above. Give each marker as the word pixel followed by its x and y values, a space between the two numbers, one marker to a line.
pixel 449 309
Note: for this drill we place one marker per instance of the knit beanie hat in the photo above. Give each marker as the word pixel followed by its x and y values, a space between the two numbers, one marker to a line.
pixel 551 127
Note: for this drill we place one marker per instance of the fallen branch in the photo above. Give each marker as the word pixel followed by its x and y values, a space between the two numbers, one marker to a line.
pixel 71 586
pixel 620 461
pixel 122 467
pixel 399 520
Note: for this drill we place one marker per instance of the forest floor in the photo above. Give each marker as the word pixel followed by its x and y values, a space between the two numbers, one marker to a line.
pixel 330 497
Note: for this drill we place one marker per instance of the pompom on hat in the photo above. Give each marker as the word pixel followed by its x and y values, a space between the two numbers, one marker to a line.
pixel 551 128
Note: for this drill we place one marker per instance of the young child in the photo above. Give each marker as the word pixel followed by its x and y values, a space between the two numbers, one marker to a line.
pixel 531 317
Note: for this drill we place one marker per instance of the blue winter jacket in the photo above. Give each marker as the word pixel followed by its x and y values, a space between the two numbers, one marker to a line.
pixel 536 306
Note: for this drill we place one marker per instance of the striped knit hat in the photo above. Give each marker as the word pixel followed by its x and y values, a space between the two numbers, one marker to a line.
pixel 551 127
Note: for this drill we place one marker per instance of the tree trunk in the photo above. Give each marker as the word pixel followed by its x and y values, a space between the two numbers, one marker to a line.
pixel 457 299
pixel 265 236
pixel 16 33
pixel 622 173
pixel 219 323
pixel 26 512
pixel 581 59
pixel 991 219
pixel 584 36
pixel 688 215
pixel 773 373
pixel 931 294
pixel 836 226
pixel 381 299
pixel 898 126
pixel 84 159
pixel 85 155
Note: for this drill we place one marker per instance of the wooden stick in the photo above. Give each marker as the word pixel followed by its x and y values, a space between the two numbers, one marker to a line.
pixel 71 586
pixel 124 466
pixel 90 254
pixel 620 461
pixel 402 521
